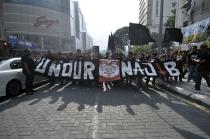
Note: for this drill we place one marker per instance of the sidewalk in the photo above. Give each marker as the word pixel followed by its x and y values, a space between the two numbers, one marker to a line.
pixel 186 89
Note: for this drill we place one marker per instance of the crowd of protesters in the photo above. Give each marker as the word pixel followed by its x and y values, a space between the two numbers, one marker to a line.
pixel 195 62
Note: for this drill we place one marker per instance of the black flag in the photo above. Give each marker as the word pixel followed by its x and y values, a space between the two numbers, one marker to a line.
pixel 139 34
pixel 173 34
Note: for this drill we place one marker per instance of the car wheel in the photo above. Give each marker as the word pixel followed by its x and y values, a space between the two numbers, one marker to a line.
pixel 13 88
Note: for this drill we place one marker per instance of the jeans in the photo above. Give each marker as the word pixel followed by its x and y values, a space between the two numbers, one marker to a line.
pixel 191 74
pixel 52 80
pixel 29 82
pixel 139 81
pixel 199 75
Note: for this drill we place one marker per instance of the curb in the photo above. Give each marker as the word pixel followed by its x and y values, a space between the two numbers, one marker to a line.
pixel 197 98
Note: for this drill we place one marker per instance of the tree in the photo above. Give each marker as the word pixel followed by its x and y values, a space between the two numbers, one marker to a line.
pixel 171 20
pixel 121 37
pixel 146 49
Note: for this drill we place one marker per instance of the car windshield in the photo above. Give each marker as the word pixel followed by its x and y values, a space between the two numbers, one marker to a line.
pixel 2 61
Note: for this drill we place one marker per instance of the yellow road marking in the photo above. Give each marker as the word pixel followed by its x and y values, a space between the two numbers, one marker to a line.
pixel 190 103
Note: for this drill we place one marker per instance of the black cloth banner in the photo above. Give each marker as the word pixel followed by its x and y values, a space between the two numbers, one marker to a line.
pixel 139 34
pixel 89 69
pixel 173 34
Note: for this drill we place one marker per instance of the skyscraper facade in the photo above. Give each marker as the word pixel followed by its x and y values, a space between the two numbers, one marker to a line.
pixel 55 25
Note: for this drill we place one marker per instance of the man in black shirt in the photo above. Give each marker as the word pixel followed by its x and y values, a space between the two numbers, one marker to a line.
pixel 51 57
pixel 203 68
pixel 193 54
pixel 129 78
pixel 28 70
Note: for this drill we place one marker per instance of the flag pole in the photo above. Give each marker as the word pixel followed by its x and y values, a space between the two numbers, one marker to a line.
pixel 129 46
pixel 160 36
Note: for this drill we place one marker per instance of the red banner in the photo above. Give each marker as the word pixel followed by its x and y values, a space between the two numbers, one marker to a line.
pixel 109 70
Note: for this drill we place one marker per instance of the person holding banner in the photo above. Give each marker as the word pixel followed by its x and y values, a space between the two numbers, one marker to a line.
pixel 50 56
pixel 154 59
pixel 107 84
pixel 78 57
pixel 28 70
pixel 60 60
pixel 131 58
pixel 140 77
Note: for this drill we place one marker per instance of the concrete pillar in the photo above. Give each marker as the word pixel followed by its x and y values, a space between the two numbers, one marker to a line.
pixel 160 27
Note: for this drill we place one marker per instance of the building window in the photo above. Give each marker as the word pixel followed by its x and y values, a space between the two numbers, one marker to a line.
pixel 58 5
pixel 173 4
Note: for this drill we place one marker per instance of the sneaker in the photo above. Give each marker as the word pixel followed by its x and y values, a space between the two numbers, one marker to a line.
pixel 109 87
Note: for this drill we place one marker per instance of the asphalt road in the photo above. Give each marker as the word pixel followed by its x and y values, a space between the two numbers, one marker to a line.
pixel 86 112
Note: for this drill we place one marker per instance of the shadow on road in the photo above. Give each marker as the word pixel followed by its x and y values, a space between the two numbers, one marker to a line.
pixel 119 96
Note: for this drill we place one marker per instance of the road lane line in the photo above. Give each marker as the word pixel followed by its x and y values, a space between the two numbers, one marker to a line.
pixel 62 88
pixel 95 119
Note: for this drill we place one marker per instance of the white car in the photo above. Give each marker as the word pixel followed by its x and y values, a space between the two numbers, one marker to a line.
pixel 11 77
pixel 12 80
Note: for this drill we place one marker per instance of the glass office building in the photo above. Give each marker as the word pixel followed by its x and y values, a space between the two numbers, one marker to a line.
pixel 57 5
pixel 51 24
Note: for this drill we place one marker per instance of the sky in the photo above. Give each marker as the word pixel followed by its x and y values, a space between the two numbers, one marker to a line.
pixel 105 16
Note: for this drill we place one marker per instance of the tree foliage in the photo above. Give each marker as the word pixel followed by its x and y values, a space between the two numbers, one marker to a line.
pixel 171 20
pixel 121 37
pixel 146 49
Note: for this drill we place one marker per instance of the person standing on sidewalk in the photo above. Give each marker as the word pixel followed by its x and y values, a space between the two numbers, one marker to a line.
pixel 203 66
pixel 193 54
pixel 28 70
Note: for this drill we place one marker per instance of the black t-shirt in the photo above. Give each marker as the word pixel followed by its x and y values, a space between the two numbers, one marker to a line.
pixel 30 62
pixel 191 56
pixel 51 57
pixel 208 60
pixel 205 65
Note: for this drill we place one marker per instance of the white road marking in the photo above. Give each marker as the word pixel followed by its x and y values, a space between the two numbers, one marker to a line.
pixel 61 89
pixel 95 119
